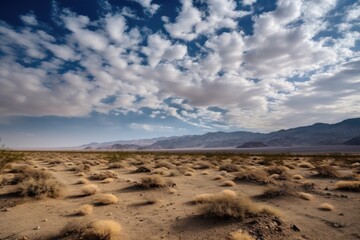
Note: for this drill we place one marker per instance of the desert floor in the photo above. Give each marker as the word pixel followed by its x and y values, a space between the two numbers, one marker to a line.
pixel 294 186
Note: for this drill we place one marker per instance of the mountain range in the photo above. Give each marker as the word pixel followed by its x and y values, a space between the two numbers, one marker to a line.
pixel 346 132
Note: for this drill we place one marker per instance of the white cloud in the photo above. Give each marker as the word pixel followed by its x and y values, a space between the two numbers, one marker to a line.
pixel 150 7
pixel 29 19
pixel 288 72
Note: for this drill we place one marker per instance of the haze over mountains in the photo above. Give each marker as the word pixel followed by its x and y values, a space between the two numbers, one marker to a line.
pixel 346 132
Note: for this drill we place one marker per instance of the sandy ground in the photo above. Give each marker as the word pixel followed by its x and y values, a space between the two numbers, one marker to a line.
pixel 173 216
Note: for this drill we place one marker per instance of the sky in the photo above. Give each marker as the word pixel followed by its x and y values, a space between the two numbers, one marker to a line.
pixel 74 72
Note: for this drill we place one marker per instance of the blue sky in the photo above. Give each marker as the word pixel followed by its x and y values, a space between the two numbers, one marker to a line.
pixel 73 72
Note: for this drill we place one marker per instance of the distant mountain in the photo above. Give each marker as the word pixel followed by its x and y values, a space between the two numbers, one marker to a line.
pixel 122 144
pixel 345 132
pixel 353 141
pixel 316 134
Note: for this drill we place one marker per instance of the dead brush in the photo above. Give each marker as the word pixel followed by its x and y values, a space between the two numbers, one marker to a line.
pixel 98 230
pixel 155 182
pixel 103 175
pixel 327 171
pixel 353 186
pixel 229 167
pixel 258 176
pixel 283 190
pixel 227 205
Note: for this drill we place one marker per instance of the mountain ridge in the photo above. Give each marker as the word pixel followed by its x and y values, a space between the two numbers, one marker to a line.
pixel 315 134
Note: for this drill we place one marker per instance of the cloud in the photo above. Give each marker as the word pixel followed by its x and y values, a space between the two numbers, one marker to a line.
pixel 29 19
pixel 152 128
pixel 148 6
pixel 296 67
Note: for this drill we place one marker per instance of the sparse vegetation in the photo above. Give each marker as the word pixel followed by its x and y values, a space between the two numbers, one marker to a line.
pixel 99 230
pixel 106 199
pixel 89 189
pixel 326 207
pixel 229 167
pixel 255 176
pixel 154 182
pixel 327 171
pixel 224 205
pixel 84 210
pixel 353 186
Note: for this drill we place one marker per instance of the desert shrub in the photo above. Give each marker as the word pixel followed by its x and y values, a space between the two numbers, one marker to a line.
pixel 84 210
pixel 154 182
pixel 7 156
pixel 107 180
pixel 240 235
pixel 305 196
pixel 205 173
pixel 283 190
pixel 103 175
pixel 188 174
pixel 326 207
pixel 115 165
pixel 163 164
pixel 306 165
pixel 276 170
pixel 327 171
pixel 218 177
pixel 201 165
pixel 229 167
pixel 106 199
pixel 228 183
pixel 348 185
pixel 89 189
pixel 255 176
pixel 202 198
pixel 98 230
pixel 39 188
pixel 82 181
pixel 225 205
pixel 297 177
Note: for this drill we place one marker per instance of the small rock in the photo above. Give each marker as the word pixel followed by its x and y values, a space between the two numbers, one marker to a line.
pixel 45 220
pixel 37 228
pixel 295 228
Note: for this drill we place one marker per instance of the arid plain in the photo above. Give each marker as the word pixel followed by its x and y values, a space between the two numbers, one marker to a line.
pixel 155 195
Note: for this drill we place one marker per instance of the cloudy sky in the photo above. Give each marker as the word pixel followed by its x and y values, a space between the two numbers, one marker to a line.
pixel 73 72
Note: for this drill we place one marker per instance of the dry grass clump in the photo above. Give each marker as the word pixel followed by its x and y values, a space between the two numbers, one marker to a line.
pixel 164 164
pixel 82 181
pixel 306 165
pixel 107 180
pixel 218 177
pixel 326 207
pixel 41 188
pixel 106 199
pixel 205 173
pixel 298 177
pixel 276 170
pixel 229 167
pixel 36 183
pixel 254 175
pixel 89 189
pixel 240 235
pixel 327 171
pixel 84 210
pixel 98 230
pixel 154 182
pixel 353 186
pixel 188 174
pixel 228 183
pixel 202 198
pixel 226 205
pixel 103 175
pixel 284 190
pixel 305 196
pixel 116 165
pixel 201 165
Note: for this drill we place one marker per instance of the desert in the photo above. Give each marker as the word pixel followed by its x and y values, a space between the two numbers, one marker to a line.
pixel 165 195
